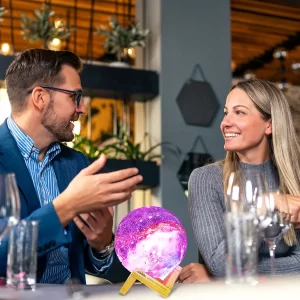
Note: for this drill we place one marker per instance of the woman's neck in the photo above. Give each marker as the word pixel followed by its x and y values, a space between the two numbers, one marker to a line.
pixel 253 158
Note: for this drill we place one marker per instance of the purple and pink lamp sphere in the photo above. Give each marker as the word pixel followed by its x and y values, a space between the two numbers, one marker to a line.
pixel 152 240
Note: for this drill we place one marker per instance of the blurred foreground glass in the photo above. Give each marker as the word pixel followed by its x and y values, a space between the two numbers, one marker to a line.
pixel 241 224
pixel 22 255
pixel 241 256
pixel 9 203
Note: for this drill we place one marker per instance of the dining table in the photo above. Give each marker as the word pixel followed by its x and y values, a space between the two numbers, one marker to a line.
pixel 267 288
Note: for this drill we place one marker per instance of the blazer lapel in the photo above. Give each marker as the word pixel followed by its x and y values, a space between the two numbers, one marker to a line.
pixel 65 169
pixel 12 161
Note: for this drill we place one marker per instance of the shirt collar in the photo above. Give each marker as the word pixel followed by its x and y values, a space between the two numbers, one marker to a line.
pixel 25 143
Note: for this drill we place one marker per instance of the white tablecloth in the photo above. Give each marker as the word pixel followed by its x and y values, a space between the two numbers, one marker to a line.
pixel 267 289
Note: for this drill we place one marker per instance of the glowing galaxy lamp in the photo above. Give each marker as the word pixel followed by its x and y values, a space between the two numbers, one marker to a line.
pixel 151 242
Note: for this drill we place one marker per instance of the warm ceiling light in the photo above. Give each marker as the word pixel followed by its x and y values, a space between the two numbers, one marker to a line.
pixel 55 44
pixel 280 53
pixel 5 49
pixel 296 66
pixel 283 85
pixel 249 75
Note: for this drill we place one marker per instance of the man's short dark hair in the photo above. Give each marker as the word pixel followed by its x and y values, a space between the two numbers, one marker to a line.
pixel 35 67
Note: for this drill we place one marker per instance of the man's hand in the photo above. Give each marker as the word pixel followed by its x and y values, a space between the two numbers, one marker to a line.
pixel 194 273
pixel 89 191
pixel 97 227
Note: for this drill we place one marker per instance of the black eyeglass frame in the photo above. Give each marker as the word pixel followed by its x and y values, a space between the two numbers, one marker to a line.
pixel 78 93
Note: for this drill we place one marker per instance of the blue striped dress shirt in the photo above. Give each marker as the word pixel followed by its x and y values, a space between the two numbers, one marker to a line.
pixel 45 183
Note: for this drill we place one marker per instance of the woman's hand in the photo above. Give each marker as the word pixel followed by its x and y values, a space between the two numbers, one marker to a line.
pixel 293 208
pixel 289 205
pixel 195 273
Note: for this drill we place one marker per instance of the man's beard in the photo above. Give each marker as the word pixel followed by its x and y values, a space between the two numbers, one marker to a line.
pixel 59 128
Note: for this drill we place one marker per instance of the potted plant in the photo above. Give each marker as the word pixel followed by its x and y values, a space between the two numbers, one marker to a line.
pixel 85 146
pixel 43 27
pixel 119 39
pixel 122 154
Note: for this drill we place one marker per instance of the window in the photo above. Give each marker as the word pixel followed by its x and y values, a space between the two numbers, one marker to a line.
pixel 5 109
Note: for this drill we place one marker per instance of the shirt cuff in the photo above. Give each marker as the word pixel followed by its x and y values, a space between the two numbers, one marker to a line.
pixel 101 265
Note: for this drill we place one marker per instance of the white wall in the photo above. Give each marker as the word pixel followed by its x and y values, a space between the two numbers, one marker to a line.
pixel 183 33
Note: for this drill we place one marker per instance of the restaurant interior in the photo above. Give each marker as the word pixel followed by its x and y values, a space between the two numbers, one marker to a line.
pixel 157 103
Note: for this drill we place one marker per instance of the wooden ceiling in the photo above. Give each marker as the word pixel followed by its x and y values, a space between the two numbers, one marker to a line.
pixel 82 14
pixel 259 28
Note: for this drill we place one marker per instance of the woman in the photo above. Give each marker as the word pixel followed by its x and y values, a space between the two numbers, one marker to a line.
pixel 259 135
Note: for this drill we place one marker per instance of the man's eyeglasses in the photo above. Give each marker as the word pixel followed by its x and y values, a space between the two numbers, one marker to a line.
pixel 77 93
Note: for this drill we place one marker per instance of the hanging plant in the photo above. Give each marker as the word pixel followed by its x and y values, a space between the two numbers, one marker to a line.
pixel 118 38
pixel 43 27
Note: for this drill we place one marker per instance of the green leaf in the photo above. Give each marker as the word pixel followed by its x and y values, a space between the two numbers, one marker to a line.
pixel 42 27
pixel 118 37
pixel 152 157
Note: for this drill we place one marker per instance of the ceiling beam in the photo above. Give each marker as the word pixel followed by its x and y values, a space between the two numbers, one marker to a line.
pixel 259 61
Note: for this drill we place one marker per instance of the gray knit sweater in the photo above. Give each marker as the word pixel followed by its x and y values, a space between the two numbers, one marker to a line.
pixel 206 209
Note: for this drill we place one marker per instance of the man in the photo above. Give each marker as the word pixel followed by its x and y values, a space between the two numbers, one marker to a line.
pixel 72 203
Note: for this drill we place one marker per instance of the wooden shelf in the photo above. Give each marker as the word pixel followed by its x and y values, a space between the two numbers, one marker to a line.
pixel 119 83
pixel 110 82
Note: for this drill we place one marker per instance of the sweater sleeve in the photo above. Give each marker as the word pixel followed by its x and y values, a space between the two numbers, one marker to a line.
pixel 287 258
pixel 206 209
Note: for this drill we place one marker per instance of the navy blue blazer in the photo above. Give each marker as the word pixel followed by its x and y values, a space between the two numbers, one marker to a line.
pixel 67 164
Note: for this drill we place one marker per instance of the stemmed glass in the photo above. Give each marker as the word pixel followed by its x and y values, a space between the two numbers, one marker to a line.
pixel 9 203
pixel 249 187
pixel 280 222
pixel 270 208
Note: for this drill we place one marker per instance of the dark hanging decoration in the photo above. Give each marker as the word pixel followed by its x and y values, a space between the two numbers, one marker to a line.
pixel 197 101
pixel 192 161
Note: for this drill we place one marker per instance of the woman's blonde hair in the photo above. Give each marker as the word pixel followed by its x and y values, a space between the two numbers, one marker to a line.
pixel 283 143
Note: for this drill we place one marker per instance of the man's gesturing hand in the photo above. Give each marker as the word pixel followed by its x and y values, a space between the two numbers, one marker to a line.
pixel 89 191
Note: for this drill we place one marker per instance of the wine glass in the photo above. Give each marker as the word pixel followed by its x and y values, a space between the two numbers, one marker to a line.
pixel 279 225
pixel 249 187
pixel 9 203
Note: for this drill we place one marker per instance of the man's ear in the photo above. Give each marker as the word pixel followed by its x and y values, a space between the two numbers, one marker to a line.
pixel 39 98
pixel 269 127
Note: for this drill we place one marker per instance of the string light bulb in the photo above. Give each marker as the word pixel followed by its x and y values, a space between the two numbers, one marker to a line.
pixel 55 44
pixel 249 75
pixel 283 85
pixel 131 52
pixel 296 66
pixel 280 54
pixel 58 23
pixel 5 49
